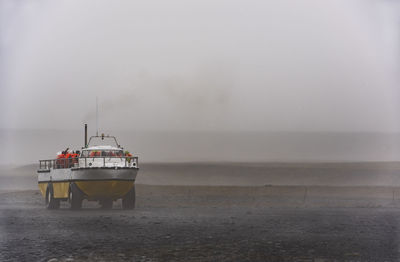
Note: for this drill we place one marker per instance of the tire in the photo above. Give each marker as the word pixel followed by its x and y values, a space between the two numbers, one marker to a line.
pixel 75 197
pixel 106 204
pixel 128 201
pixel 51 202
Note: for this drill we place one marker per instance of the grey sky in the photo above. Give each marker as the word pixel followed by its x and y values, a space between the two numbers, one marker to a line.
pixel 201 65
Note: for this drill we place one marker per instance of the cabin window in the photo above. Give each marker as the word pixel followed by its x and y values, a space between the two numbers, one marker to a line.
pixel 85 153
pixel 102 153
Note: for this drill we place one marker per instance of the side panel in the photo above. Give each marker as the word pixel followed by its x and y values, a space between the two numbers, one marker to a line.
pixel 105 189
pixel 61 190
pixel 68 174
pixel 43 188
pixel 104 174
pixel 55 175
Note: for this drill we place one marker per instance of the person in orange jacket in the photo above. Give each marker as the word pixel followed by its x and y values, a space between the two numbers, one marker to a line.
pixel 67 159
pixel 60 161
pixel 74 157
pixel 128 156
pixel 94 153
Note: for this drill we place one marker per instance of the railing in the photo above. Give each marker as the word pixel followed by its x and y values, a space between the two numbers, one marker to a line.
pixel 89 162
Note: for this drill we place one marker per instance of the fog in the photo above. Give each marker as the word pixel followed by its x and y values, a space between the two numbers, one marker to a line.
pixel 204 80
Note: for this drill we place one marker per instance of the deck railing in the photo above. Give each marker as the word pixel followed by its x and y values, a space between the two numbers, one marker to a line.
pixel 89 162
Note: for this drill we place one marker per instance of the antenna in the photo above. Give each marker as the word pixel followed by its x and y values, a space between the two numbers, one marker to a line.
pixel 97 117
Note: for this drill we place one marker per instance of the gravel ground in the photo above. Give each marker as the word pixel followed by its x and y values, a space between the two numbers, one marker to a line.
pixel 194 223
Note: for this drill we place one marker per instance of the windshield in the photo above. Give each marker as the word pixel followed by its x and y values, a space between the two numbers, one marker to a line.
pixel 102 153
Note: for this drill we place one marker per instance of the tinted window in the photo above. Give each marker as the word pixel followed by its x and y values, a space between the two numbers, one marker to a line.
pixel 102 153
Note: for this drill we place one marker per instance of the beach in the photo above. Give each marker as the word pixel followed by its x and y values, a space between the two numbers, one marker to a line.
pixel 222 222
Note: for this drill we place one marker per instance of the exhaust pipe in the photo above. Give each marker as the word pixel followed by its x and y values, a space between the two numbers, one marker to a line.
pixel 85 135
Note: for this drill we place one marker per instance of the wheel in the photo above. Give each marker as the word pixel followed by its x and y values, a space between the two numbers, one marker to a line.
pixel 51 202
pixel 128 201
pixel 106 204
pixel 75 197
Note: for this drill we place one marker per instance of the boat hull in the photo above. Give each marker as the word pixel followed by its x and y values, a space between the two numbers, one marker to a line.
pixel 105 189
pixel 95 183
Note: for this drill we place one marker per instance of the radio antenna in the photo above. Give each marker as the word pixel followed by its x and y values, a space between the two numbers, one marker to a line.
pixel 97 117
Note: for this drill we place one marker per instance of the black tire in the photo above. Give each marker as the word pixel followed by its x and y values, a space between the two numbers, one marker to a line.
pixel 106 204
pixel 75 197
pixel 128 201
pixel 51 202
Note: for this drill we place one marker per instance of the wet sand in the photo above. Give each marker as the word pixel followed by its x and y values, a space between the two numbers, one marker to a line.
pixel 301 222
pixel 200 223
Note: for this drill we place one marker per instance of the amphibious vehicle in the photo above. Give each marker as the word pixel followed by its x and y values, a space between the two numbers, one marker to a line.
pixel 98 172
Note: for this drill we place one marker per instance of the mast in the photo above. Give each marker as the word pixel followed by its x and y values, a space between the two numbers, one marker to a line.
pixel 85 135
pixel 97 117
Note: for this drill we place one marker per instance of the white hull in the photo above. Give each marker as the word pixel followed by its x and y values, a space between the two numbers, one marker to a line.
pixel 87 174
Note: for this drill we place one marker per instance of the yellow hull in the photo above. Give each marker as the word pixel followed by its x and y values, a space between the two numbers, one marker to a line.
pixel 101 189
pixel 43 188
pixel 60 189
pixel 105 189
